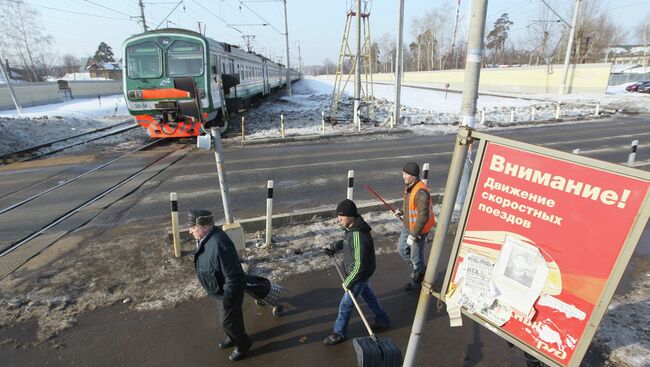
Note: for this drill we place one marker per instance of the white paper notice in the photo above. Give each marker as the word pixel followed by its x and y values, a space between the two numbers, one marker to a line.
pixel 497 314
pixel 520 274
pixel 569 310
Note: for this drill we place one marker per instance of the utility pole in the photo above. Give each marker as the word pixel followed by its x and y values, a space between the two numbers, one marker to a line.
pixel 7 74
pixel 567 58
pixel 462 147
pixel 144 21
pixel 453 39
pixel 357 71
pixel 645 47
pixel 398 63
pixel 299 58
pixel 286 43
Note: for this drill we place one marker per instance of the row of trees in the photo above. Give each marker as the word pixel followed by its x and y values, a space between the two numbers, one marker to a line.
pixel 544 40
pixel 25 45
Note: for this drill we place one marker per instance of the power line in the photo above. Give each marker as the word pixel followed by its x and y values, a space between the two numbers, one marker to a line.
pixel 627 6
pixel 170 13
pixel 259 16
pixel 65 11
pixel 216 16
pixel 105 7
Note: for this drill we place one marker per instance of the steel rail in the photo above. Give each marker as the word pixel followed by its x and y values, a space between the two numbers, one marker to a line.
pixel 71 212
pixel 25 201
pixel 6 158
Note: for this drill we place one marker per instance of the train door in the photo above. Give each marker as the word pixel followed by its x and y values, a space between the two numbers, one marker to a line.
pixel 265 78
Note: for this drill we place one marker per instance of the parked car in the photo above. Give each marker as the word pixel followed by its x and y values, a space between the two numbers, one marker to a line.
pixel 635 87
pixel 645 88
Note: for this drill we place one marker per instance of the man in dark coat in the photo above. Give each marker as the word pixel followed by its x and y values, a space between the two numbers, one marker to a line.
pixel 359 265
pixel 220 273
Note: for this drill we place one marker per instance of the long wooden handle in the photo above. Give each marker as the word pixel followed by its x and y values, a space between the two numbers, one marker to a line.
pixel 363 317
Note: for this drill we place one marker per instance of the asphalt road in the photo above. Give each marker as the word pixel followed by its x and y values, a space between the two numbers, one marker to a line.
pixel 306 175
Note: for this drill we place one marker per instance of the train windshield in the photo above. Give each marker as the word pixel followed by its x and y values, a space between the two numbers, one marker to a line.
pixel 185 59
pixel 144 61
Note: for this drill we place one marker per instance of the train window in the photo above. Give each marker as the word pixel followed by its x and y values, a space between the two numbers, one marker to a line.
pixel 144 61
pixel 185 59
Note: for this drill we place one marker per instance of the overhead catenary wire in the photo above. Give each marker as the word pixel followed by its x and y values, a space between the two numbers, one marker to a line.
pixel 66 11
pixel 170 13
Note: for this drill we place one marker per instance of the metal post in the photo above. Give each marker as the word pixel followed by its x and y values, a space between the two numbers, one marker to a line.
pixel 269 212
pixel 483 116
pixel 351 184
pixel 567 57
pixel 357 71
pixel 177 236
pixel 453 39
pixel 557 111
pixel 597 109
pixel 223 184
pixel 632 156
pixel 468 112
pixel 398 63
pixel 286 43
pixel 242 130
pixel 144 22
pixel 322 120
pixel 425 173
pixel 282 124
pixel 6 74
pixel 512 114
pixel 532 113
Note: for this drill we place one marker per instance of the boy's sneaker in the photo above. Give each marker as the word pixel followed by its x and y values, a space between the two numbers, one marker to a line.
pixel 334 339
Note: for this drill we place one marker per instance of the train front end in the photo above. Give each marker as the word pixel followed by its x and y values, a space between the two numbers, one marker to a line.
pixel 153 61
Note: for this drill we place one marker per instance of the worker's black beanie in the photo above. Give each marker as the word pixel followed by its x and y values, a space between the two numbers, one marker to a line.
pixel 412 169
pixel 347 208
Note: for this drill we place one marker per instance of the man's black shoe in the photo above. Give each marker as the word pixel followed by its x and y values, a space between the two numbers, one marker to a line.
pixel 412 286
pixel 227 343
pixel 237 354
pixel 334 339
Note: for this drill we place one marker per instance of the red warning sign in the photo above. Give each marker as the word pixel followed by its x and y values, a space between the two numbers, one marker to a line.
pixel 541 239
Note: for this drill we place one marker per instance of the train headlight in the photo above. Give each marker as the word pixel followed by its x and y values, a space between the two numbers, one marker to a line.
pixel 135 94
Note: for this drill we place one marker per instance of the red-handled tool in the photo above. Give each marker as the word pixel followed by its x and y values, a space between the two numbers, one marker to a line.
pixel 380 198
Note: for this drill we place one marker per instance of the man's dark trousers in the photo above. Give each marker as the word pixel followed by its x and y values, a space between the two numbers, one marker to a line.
pixel 232 320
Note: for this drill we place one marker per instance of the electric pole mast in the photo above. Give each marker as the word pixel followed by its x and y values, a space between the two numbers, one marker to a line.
pixel 357 71
pixel 144 22
pixel 7 76
pixel 398 63
pixel 567 58
pixel 286 43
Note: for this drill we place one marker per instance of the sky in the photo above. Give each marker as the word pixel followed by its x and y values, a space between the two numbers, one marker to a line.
pixel 78 26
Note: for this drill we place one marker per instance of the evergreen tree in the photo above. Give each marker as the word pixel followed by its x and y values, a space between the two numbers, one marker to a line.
pixel 496 39
pixel 104 53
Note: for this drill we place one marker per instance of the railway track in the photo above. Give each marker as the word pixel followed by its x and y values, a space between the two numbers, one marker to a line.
pixel 58 145
pixel 32 238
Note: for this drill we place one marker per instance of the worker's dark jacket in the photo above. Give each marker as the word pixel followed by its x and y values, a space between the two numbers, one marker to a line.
pixel 217 265
pixel 358 252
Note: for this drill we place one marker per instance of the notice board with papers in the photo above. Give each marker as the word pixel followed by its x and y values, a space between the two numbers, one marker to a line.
pixel 542 243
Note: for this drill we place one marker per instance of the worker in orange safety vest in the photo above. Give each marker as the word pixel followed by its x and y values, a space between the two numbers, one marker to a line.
pixel 417 216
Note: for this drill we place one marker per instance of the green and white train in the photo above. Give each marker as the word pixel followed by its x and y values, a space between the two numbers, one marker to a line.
pixel 154 59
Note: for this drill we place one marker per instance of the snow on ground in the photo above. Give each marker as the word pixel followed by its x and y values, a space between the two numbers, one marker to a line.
pixel 41 124
pixel 423 111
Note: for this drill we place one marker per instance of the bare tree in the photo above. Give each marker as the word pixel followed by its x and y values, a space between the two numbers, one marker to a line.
pixel 596 32
pixel 71 63
pixel 23 35
pixel 387 49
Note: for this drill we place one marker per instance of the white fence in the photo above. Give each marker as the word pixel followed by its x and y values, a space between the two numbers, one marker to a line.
pixel 32 94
